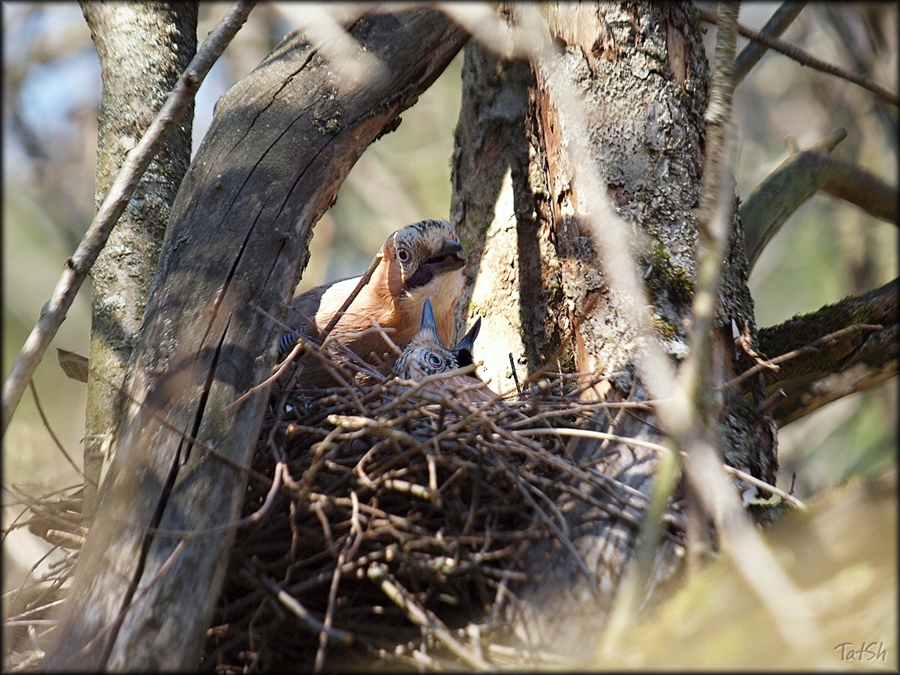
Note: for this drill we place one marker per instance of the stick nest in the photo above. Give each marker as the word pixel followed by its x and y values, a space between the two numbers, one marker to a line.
pixel 388 523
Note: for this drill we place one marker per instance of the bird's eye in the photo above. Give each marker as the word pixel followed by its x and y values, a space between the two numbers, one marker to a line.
pixel 435 361
pixel 402 255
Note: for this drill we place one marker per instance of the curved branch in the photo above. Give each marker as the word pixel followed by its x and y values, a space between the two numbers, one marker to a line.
pixel 281 142
pixel 850 361
pixel 852 183
pixel 799 178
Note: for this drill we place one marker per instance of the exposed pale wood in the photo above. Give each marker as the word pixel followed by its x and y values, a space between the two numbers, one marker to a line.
pixel 643 76
pixel 281 142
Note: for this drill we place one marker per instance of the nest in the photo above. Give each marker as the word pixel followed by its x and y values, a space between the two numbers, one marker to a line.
pixel 390 524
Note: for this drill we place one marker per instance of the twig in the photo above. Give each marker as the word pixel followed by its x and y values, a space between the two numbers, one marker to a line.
pixel 512 369
pixel 805 59
pixel 113 626
pixel 378 573
pixel 40 409
pixel 254 517
pixel 363 280
pixel 348 551
pixel 751 54
pixel 136 163
pixel 763 485
pixel 599 435
pixel 291 603
pixel 771 364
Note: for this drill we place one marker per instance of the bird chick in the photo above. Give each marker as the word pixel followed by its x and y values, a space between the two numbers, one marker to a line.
pixel 419 261
pixel 426 355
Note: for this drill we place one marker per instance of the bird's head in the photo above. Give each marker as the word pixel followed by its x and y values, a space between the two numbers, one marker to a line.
pixel 419 254
pixel 425 355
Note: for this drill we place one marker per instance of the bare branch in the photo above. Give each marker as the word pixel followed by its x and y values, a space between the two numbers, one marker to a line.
pixel 78 266
pixel 782 18
pixel 854 184
pixel 805 59
pixel 56 441
pixel 798 178
pixel 846 362
pixel 702 464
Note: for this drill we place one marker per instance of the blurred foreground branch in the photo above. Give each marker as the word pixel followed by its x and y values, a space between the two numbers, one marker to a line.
pixel 78 266
pixel 697 435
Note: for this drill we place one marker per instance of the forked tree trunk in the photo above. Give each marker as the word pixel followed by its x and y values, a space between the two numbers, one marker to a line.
pixel 541 289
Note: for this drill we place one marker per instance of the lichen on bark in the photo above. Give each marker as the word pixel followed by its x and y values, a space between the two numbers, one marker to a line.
pixel 143 49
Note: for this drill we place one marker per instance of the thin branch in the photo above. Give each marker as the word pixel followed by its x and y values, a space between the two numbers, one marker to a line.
pixel 292 357
pixel 113 627
pixel 136 163
pixel 805 59
pixel 598 435
pixel 772 364
pixel 421 616
pixel 254 517
pixel 763 485
pixel 751 54
pixel 40 409
pixel 291 603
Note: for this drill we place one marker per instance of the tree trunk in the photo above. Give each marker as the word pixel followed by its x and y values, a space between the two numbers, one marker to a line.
pixel 281 142
pixel 143 49
pixel 643 75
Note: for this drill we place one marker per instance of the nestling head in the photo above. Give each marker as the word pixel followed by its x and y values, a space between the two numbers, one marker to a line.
pixel 425 355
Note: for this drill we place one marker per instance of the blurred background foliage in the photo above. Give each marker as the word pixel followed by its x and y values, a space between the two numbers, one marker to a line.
pixel 827 250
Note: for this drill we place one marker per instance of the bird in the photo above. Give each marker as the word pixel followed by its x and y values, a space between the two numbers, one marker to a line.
pixel 463 349
pixel 418 261
pixel 426 355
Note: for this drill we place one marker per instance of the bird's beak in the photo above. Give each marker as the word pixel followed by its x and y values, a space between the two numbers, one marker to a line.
pixel 447 259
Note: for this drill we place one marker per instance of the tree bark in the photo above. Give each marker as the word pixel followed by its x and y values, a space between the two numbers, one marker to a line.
pixel 823 370
pixel 281 142
pixel 642 71
pixel 143 49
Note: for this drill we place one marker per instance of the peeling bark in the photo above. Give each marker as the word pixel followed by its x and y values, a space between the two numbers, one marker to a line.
pixel 642 71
